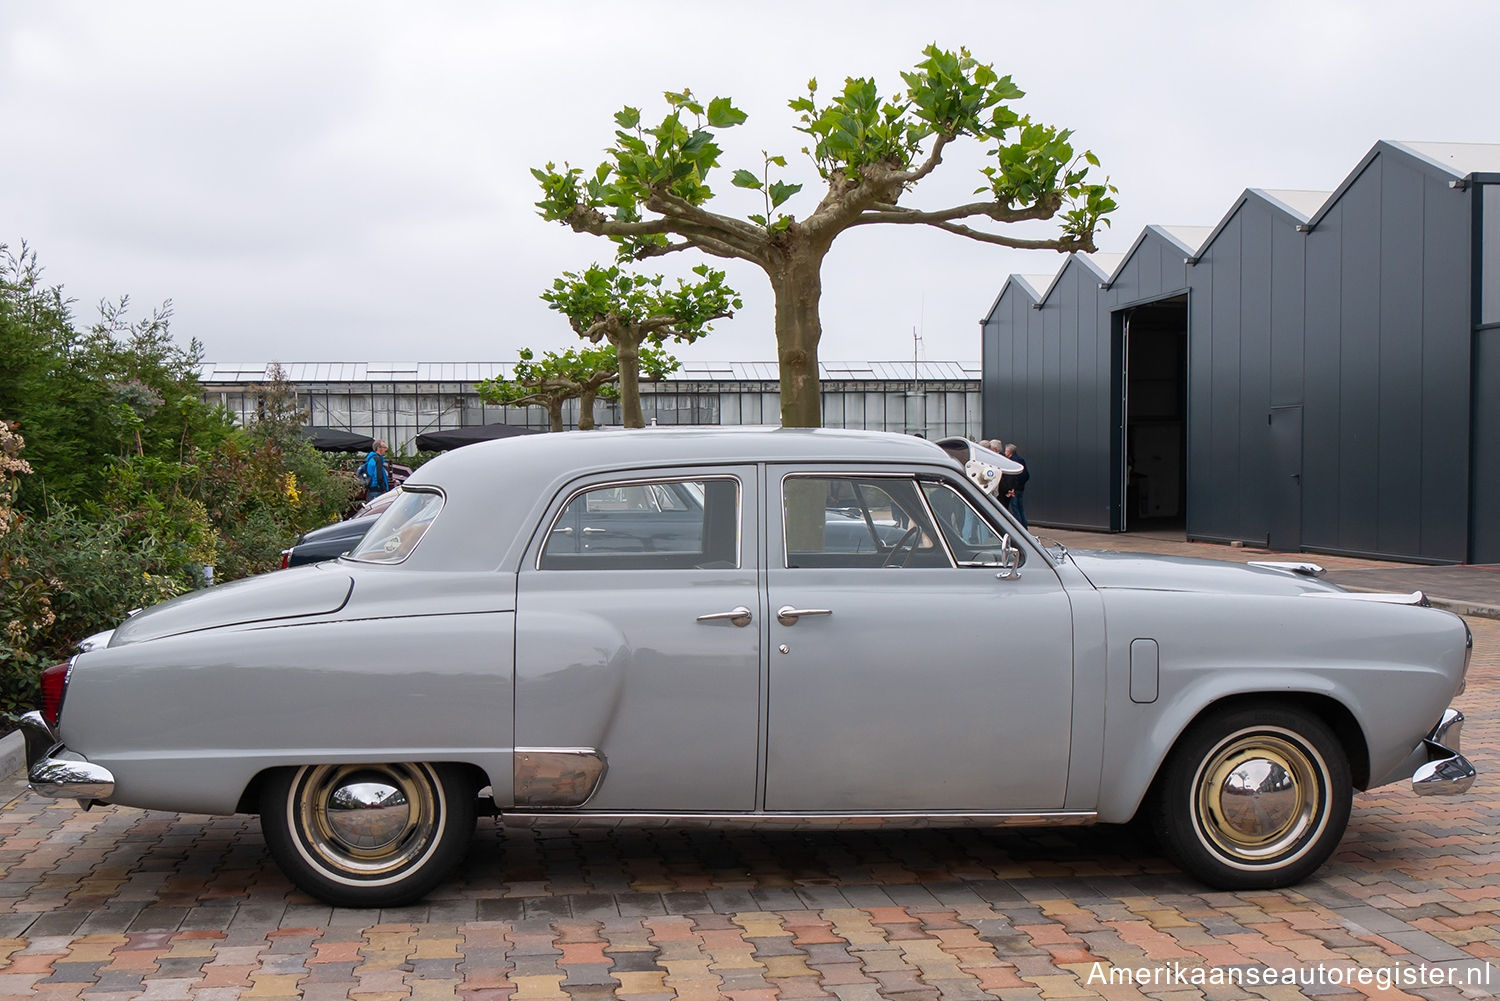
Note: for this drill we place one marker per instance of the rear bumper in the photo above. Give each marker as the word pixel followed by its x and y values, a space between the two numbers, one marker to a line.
pixel 1445 772
pixel 58 773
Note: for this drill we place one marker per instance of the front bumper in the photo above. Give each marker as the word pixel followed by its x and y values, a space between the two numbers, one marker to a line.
pixel 57 772
pixel 1446 772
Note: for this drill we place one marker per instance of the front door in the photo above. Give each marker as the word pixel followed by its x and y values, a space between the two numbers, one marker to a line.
pixel 638 645
pixel 906 674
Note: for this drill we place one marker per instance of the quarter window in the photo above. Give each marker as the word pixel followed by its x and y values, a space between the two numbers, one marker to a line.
pixel 648 525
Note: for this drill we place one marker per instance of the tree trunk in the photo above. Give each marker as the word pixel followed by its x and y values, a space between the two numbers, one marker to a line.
pixel 797 286
pixel 628 356
pixel 586 410
pixel 554 414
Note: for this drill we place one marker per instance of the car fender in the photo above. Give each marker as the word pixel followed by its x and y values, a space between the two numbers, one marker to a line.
pixel 1393 668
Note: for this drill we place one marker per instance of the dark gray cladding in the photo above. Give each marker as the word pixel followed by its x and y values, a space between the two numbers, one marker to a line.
pixel 1341 390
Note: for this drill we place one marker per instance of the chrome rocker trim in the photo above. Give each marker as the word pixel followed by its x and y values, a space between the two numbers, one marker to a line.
pixel 1446 772
pixel 843 822
pixel 57 773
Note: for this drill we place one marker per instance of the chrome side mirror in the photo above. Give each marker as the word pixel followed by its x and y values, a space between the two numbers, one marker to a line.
pixel 1010 560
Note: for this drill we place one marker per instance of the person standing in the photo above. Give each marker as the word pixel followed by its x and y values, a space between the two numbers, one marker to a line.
pixel 375 472
pixel 1017 485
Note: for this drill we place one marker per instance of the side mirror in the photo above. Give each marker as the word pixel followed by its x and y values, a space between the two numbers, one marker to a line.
pixel 1010 560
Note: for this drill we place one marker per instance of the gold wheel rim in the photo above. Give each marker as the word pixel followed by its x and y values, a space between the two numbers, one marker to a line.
pixel 364 823
pixel 1260 797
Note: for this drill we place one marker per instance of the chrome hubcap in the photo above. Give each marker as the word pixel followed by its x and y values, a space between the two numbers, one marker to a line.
pixel 366 821
pixel 1259 795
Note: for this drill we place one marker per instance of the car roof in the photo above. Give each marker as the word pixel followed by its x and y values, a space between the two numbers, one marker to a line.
pixel 495 489
pixel 541 454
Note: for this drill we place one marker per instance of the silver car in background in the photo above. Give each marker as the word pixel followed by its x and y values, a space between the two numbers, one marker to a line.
pixel 751 626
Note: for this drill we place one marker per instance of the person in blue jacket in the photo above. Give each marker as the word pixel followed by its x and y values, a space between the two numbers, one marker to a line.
pixel 375 472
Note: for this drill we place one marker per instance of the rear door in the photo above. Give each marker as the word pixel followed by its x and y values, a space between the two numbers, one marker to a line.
pixel 638 645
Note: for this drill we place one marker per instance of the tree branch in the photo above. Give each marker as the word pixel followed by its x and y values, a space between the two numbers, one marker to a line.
pixel 1062 243
pixel 934 157
pixel 672 206
pixel 1044 209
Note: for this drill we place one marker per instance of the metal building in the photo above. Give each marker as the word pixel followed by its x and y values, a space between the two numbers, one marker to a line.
pixel 1319 371
pixel 397 401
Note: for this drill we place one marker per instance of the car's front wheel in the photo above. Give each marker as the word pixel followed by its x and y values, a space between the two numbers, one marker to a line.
pixel 368 835
pixel 1253 798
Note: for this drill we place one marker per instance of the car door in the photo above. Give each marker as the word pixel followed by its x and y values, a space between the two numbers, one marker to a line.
pixel 909 675
pixel 642 658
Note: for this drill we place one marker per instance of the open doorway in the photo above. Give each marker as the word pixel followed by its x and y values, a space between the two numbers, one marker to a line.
pixel 1153 419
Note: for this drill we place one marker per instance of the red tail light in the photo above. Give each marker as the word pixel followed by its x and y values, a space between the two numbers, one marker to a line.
pixel 54 686
pixel 286 558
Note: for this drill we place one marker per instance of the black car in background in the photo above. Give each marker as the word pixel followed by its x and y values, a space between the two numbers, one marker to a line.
pixel 332 541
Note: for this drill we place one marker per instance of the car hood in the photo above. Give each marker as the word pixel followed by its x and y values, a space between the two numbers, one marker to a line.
pixel 1182 573
pixel 280 595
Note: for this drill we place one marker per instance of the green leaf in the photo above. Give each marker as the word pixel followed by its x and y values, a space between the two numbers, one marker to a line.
pixel 723 115
pixel 780 192
pixel 746 179
pixel 628 118
pixel 1091 158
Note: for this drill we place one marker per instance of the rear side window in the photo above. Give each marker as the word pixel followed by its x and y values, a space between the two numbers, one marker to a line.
pixel 396 533
pixel 648 525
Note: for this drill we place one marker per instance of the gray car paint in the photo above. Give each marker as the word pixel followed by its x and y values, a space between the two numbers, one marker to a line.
pixel 357 662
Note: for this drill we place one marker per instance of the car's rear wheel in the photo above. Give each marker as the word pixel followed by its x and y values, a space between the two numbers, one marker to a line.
pixel 368 835
pixel 1254 797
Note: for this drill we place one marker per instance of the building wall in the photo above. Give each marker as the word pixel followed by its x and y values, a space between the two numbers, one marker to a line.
pixel 1365 326
pixel 399 411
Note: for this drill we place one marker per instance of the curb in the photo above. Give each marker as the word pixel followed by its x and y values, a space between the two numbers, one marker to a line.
pixel 1471 608
pixel 12 754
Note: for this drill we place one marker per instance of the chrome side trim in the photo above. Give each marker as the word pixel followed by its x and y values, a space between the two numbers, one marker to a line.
pixel 1389 597
pixel 557 777
pixel 801 821
pixel 1302 569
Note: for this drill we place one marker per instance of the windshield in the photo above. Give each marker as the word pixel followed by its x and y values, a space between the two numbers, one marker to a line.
pixel 396 533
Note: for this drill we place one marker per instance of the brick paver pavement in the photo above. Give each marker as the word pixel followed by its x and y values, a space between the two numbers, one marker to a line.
pixel 118 903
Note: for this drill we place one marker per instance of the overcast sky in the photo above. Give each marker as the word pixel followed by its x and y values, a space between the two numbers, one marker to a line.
pixel 350 181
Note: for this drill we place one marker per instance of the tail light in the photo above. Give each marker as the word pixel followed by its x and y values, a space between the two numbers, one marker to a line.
pixel 54 687
pixel 286 558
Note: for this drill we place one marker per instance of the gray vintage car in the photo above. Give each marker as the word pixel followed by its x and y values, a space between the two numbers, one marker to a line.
pixel 844 629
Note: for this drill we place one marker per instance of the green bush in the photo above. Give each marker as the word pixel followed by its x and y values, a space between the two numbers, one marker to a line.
pixel 64 577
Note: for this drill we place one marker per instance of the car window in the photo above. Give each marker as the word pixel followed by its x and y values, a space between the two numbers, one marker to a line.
pixel 857 521
pixel 396 532
pixel 652 525
pixel 973 541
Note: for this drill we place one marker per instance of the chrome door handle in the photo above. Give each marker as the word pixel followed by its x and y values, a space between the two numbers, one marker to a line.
pixel 595 531
pixel 563 531
pixel 739 615
pixel 788 616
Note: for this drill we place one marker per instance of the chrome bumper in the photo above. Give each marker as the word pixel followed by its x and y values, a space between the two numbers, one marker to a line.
pixel 1446 772
pixel 58 773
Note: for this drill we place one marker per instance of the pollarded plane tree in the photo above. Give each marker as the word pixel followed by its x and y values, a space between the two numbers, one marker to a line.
pixel 651 193
pixel 585 375
pixel 635 312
